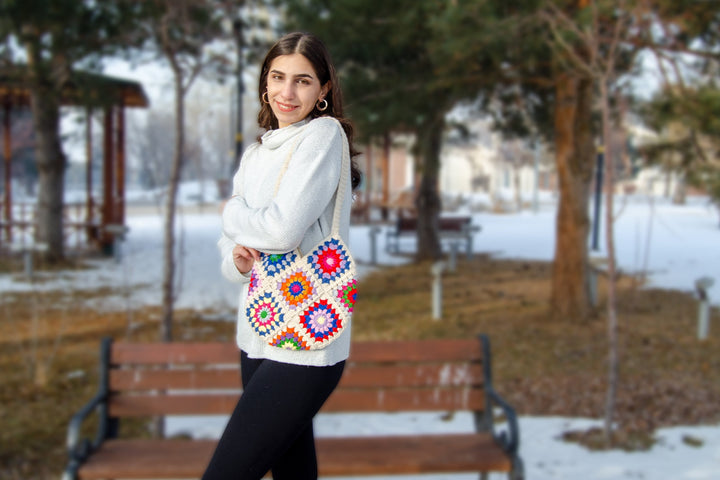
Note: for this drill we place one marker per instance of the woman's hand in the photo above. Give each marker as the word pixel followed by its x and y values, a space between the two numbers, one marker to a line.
pixel 244 257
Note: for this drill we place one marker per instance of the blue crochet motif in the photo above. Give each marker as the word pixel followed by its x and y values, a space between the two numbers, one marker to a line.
pixel 274 263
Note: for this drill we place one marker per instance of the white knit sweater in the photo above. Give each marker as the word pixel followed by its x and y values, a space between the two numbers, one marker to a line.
pixel 299 215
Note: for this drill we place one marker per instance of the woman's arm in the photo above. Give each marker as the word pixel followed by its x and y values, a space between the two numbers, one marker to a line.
pixel 236 260
pixel 305 190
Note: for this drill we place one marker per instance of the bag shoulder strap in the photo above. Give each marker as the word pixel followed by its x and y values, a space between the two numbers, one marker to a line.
pixel 284 167
pixel 342 184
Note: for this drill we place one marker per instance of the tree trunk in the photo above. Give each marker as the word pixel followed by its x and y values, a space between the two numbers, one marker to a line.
pixel 570 298
pixel 168 294
pixel 50 159
pixel 680 192
pixel 428 199
pixel 51 163
pixel 517 186
pixel 612 320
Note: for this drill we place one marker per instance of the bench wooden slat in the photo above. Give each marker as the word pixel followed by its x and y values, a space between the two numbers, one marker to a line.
pixel 227 352
pixel 453 224
pixel 416 351
pixel 144 458
pixel 163 379
pixel 410 454
pixel 429 399
pixel 134 459
pixel 162 404
pixel 446 224
pixel 179 353
pixel 415 400
pixel 412 375
pixel 355 376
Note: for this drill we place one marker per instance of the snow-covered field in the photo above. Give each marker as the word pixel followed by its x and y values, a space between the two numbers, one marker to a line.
pixel 674 244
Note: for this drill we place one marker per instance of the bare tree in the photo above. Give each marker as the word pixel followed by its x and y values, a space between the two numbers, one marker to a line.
pixel 183 31
pixel 601 42
pixel 152 147
pixel 209 120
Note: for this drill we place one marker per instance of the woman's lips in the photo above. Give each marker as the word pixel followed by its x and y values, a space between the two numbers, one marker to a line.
pixel 284 107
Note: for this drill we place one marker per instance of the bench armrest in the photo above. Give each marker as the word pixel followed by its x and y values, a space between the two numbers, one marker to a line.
pixel 80 448
pixel 510 438
pixel 74 441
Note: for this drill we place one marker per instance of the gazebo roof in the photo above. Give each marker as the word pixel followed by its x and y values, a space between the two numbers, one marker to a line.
pixel 83 89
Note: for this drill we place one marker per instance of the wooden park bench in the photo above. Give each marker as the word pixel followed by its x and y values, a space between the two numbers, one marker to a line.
pixel 451 228
pixel 150 379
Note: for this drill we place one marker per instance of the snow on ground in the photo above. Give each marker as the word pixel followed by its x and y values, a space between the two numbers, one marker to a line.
pixel 680 453
pixel 674 244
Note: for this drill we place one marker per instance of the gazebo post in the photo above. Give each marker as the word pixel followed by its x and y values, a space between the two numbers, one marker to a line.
pixel 108 184
pixel 92 234
pixel 8 169
pixel 368 180
pixel 120 167
pixel 385 175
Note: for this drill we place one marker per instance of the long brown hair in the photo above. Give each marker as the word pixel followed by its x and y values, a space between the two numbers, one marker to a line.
pixel 312 48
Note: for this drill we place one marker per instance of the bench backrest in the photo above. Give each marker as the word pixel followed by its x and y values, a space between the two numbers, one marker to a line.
pixel 203 378
pixel 446 224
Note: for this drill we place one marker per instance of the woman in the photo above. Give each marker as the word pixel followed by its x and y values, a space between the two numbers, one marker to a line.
pixel 284 195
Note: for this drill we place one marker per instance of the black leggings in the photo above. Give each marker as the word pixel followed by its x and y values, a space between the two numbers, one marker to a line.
pixel 271 426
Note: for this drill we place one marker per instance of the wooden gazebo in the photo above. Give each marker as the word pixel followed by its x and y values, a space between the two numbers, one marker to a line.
pixel 95 222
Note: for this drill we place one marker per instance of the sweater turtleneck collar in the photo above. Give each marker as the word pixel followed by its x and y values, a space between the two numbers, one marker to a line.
pixel 273 139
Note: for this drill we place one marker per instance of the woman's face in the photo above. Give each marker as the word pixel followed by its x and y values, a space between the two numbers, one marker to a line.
pixel 293 88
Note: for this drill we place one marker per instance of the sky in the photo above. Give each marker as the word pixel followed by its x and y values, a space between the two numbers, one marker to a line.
pixel 675 244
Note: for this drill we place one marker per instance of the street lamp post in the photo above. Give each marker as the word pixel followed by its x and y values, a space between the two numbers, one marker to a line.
pixel 240 42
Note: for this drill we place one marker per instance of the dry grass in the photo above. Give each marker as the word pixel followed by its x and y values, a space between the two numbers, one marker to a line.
pixel 542 366
pixel 549 367
pixel 48 369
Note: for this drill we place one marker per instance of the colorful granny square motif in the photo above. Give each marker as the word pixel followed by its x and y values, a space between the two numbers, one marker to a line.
pixel 253 281
pixel 296 289
pixel 289 340
pixel 347 294
pixel 321 321
pixel 329 261
pixel 264 314
pixel 302 302
pixel 275 263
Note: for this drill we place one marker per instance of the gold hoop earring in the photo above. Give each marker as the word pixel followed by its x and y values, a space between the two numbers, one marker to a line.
pixel 265 97
pixel 317 105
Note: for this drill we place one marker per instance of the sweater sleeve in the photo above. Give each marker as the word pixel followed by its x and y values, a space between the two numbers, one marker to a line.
pixel 226 245
pixel 227 265
pixel 305 190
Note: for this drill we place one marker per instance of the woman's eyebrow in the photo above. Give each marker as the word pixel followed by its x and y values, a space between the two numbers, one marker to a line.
pixel 299 75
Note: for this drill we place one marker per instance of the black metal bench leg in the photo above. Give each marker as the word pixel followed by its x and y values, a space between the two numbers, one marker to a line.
pixel 70 472
pixel 518 470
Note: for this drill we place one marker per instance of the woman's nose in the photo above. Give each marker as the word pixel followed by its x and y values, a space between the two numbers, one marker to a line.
pixel 288 90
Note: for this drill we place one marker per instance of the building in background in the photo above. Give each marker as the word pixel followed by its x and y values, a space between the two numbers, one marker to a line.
pixel 478 171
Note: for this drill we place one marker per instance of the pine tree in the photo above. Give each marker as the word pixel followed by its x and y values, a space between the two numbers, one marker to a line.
pixel 382 51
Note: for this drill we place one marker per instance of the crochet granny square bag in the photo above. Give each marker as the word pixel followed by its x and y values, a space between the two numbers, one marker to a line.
pixel 304 302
